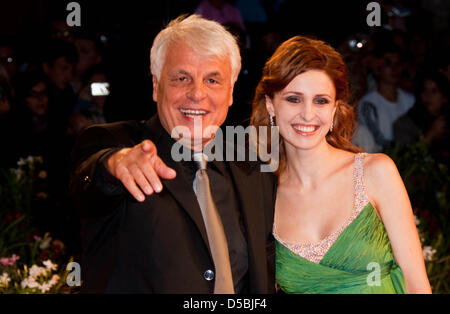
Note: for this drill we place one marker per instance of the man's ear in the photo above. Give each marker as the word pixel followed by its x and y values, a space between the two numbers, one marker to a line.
pixel 155 88
pixel 231 96
pixel 269 106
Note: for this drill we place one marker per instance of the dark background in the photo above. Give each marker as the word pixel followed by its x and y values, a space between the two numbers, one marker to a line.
pixel 132 25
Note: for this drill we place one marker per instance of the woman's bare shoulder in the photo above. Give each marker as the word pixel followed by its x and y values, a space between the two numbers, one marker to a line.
pixel 379 167
pixel 381 176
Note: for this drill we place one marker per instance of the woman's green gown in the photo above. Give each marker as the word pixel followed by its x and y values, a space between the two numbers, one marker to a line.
pixel 360 260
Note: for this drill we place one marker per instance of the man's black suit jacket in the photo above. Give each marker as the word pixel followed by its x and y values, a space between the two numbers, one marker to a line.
pixel 160 245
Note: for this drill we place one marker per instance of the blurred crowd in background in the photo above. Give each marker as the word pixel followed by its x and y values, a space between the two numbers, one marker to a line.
pixel 55 80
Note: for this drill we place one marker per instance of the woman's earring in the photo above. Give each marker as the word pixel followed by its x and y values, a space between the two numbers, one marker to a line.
pixel 272 123
pixel 332 125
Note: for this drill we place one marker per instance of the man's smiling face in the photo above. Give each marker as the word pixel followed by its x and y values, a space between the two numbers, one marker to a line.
pixel 193 89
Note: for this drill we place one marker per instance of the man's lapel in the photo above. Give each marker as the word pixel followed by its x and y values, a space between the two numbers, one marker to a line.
pixel 180 187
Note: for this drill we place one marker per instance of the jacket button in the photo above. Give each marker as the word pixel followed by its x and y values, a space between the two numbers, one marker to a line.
pixel 209 275
pixel 87 179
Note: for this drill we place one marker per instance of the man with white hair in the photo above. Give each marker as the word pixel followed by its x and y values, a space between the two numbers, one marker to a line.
pixel 146 235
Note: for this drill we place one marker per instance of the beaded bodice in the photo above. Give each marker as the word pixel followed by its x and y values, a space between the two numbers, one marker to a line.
pixel 314 252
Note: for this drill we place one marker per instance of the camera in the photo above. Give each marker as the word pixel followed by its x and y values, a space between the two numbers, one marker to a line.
pixel 100 89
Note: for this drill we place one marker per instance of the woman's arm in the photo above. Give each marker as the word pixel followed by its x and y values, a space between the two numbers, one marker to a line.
pixel 388 194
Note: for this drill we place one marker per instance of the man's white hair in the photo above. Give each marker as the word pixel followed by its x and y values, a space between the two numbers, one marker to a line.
pixel 205 37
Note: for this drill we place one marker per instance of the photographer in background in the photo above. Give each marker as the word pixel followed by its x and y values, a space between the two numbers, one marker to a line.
pixel 94 93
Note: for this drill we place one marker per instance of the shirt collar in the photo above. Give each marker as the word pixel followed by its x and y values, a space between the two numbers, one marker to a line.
pixel 161 135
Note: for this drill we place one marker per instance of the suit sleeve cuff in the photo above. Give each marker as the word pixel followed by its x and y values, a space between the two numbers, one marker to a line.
pixel 104 180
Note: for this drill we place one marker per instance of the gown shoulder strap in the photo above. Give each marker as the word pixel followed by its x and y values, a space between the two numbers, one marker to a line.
pixel 361 198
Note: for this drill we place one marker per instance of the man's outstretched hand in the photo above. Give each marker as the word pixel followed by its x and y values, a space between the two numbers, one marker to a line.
pixel 139 169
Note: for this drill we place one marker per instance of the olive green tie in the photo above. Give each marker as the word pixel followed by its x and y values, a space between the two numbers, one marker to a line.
pixel 214 228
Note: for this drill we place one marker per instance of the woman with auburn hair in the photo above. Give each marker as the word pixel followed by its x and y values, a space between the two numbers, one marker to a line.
pixel 343 220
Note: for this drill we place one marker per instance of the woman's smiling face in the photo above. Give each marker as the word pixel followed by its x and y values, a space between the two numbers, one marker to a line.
pixel 304 109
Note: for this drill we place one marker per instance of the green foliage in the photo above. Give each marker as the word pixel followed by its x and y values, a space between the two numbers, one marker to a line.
pixel 23 248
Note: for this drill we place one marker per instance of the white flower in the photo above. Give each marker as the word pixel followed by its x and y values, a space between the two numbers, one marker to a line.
pixel 36 271
pixel 30 160
pixel 45 241
pixel 29 282
pixel 428 253
pixel 24 283
pixel 33 283
pixel 50 266
pixel 4 280
pixel 416 220
pixel 54 280
pixel 21 162
pixel 45 287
